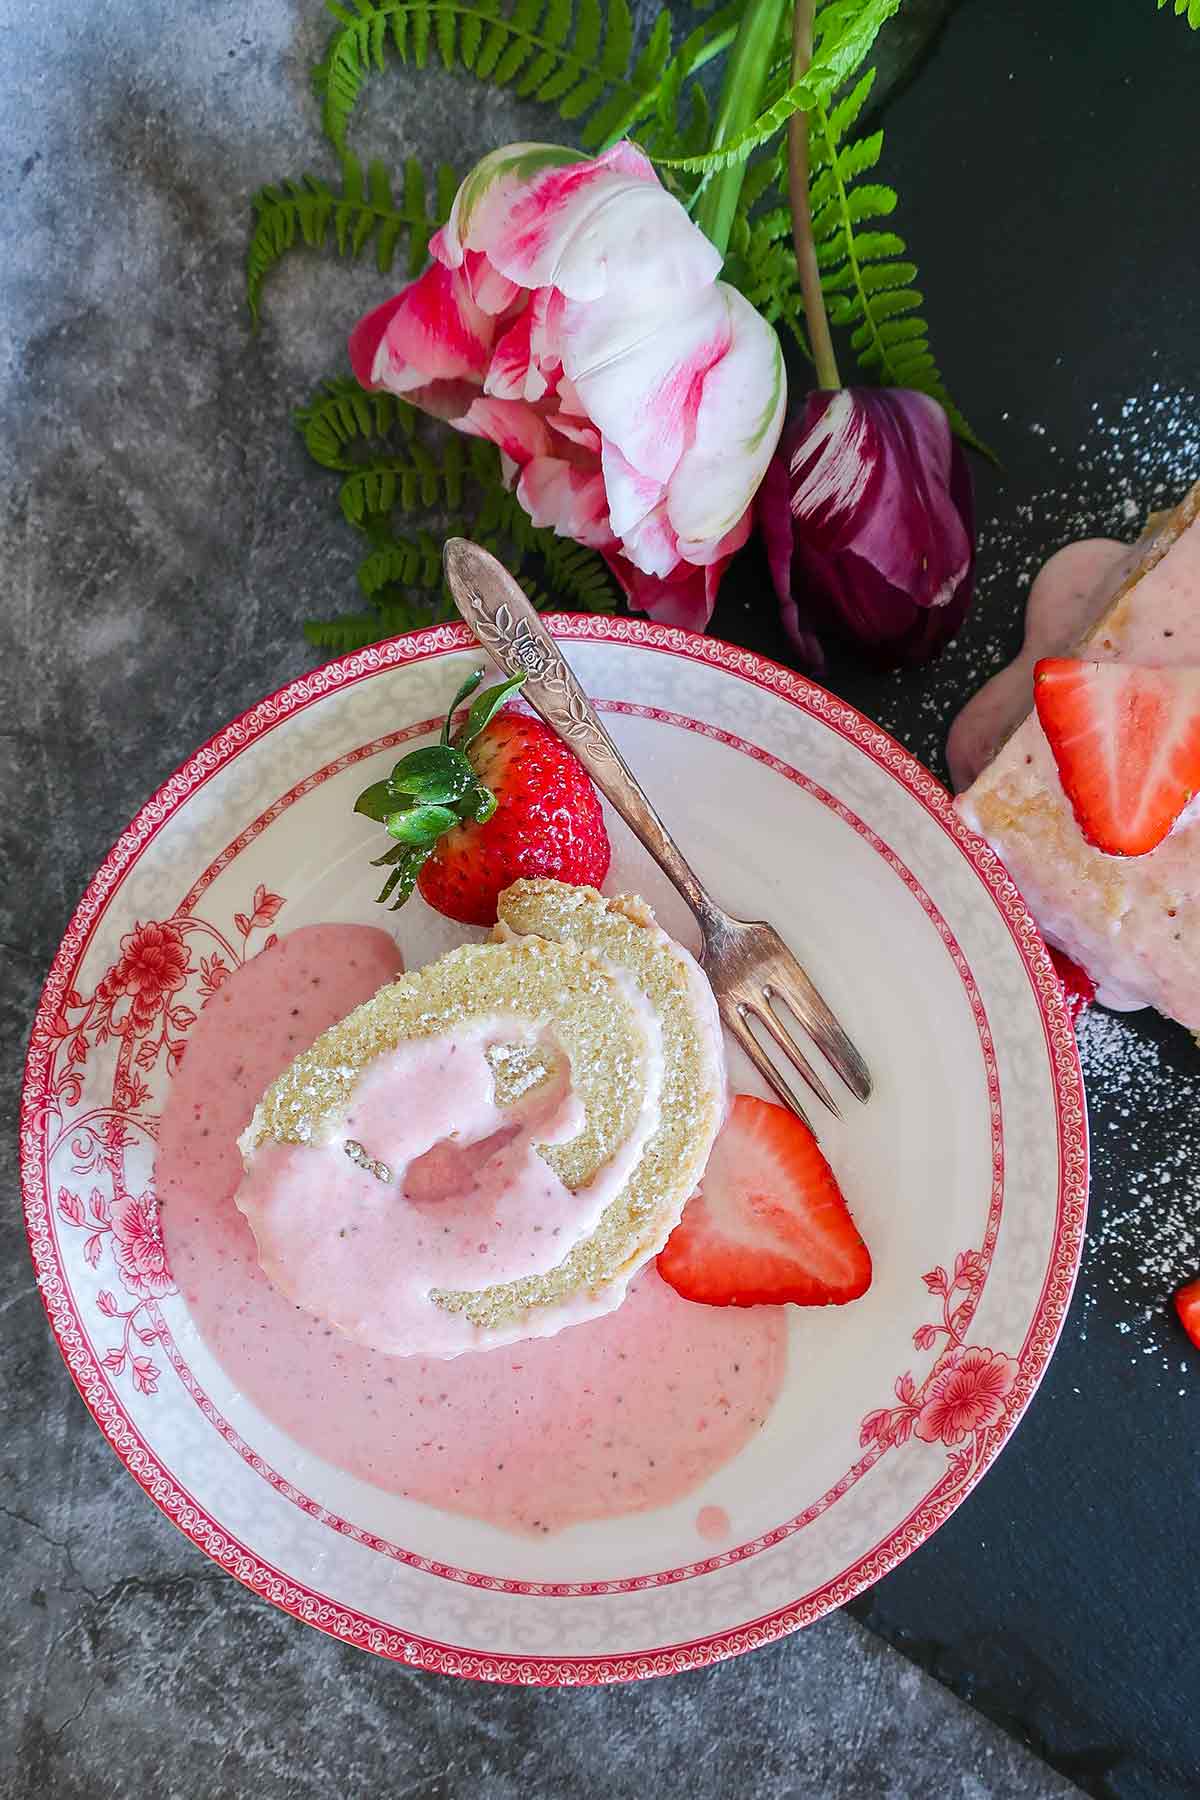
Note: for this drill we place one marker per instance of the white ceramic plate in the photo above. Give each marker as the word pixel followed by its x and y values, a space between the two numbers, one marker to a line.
pixel 967 1172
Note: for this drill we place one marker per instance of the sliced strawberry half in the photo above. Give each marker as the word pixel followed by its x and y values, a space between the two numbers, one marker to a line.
pixel 768 1224
pixel 1187 1305
pixel 1127 745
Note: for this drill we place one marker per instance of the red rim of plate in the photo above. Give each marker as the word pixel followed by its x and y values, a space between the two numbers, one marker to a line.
pixel 373 1634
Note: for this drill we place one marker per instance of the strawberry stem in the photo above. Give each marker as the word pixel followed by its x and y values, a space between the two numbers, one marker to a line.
pixel 468 687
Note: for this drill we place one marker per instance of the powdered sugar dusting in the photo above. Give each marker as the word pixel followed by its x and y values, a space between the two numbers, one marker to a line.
pixel 1134 460
pixel 1144 1229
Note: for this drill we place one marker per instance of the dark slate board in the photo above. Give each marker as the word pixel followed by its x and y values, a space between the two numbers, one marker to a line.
pixel 1047 161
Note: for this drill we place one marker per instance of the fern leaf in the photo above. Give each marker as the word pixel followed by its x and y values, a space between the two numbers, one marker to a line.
pixel 648 71
pixel 618 40
pixel 343 635
pixel 575 573
pixel 548 75
pixel 867 280
pixel 342 425
pixel 346 220
pixel 577 55
pixel 844 31
pixel 420 17
pixel 589 29
pixel 656 112
pixel 868 246
pixel 402 562
pixel 1184 9
pixel 760 177
pixel 390 474
pixel 859 156
pixel 390 618
pixel 518 36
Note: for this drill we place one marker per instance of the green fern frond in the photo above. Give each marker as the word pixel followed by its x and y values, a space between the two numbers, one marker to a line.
pixel 866 279
pixel 761 261
pixel 343 426
pixel 433 478
pixel 372 440
pixel 390 473
pixel 1184 9
pixel 576 573
pixel 400 562
pixel 843 33
pixel 576 55
pixel 762 264
pixel 354 631
pixel 361 212
pixel 675 120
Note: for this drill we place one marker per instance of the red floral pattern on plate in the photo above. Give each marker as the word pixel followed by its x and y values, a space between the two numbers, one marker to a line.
pixel 154 964
pixel 136 999
pixel 966 1393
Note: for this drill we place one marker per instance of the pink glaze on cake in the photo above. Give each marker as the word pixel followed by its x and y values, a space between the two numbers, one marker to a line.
pixel 615 1416
pixel 1132 923
pixel 1066 598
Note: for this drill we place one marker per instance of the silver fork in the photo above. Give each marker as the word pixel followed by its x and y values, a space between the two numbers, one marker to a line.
pixel 751 969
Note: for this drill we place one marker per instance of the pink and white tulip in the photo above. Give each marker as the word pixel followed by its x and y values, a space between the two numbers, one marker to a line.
pixel 573 317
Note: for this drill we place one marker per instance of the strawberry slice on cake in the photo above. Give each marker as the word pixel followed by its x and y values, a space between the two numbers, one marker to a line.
pixel 1126 742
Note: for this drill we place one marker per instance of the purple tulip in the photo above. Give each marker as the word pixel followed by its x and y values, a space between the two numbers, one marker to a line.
pixel 868 520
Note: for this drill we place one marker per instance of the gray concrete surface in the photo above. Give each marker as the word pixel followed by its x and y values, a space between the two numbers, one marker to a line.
pixel 161 535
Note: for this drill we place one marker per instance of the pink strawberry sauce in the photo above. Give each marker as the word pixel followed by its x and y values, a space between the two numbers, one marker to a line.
pixel 618 1415
pixel 713 1523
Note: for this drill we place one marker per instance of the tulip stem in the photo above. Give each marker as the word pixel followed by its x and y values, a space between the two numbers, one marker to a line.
pixel 741 94
pixel 816 317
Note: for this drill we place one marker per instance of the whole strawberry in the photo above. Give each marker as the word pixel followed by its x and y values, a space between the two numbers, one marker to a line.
pixel 505 799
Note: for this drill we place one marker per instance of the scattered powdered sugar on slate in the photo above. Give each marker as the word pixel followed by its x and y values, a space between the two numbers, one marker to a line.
pixel 1144 1224
pixel 1135 460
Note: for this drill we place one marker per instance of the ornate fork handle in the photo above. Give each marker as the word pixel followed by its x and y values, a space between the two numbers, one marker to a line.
pixel 497 611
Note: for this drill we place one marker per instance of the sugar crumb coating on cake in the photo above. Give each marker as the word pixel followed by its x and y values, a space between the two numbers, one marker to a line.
pixel 624 933
pixel 533 982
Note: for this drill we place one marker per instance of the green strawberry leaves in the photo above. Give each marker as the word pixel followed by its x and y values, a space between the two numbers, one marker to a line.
pixel 432 790
pixel 468 687
pixel 437 775
pixel 376 802
pixel 485 708
pixel 478 805
pixel 403 878
pixel 422 826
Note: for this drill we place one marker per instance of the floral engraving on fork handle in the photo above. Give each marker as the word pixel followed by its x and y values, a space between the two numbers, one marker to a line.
pixel 518 645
